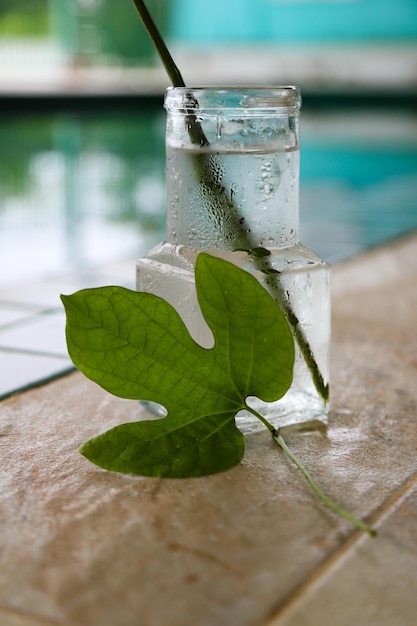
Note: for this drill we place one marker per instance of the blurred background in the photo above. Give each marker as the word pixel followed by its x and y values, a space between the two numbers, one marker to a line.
pixel 82 122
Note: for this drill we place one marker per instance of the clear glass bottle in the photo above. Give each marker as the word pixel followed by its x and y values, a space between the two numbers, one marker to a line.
pixel 232 178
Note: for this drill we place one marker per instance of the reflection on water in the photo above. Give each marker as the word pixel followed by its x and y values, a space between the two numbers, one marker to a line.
pixel 359 179
pixel 77 191
pixel 80 190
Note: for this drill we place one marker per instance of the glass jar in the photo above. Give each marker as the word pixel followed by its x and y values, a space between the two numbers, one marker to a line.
pixel 232 179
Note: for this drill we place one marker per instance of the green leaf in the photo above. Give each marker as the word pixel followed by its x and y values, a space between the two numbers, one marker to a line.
pixel 136 346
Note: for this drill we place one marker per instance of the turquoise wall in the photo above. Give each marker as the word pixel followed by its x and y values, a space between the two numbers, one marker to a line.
pixel 293 20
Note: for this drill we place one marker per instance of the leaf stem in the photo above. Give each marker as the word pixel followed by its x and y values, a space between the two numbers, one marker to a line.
pixel 238 233
pixel 278 438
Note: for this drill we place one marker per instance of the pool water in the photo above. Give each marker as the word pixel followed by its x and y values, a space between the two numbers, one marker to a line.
pixel 78 189
pixel 358 179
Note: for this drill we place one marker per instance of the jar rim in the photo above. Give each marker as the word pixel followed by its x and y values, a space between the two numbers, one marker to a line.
pixel 229 97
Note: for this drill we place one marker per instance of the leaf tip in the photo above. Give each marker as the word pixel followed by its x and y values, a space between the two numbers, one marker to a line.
pixel 84 449
pixel 63 298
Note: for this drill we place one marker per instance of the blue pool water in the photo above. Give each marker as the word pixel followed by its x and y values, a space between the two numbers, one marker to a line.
pixel 286 21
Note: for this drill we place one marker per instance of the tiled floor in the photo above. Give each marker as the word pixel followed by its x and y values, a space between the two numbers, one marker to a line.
pixel 32 326
pixel 248 547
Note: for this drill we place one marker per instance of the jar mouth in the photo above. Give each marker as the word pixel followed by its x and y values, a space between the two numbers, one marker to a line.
pixel 240 97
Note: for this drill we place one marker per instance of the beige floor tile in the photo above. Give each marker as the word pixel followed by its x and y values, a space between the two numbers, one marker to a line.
pixel 372 583
pixel 81 546
pixel 8 618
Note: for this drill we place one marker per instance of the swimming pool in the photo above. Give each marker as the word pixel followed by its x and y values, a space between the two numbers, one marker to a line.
pixel 81 188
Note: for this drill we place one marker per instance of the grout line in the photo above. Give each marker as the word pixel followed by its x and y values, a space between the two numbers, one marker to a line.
pixel 54 355
pixel 29 319
pixel 314 579
pixel 21 304
pixel 40 382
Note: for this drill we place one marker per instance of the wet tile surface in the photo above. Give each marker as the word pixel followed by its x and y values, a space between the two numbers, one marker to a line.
pixel 249 547
pixel 32 346
pixel 32 325
pixel 11 312
pixel 41 334
pixel 20 370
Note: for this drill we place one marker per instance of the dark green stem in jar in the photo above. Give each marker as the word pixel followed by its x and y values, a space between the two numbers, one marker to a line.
pixel 196 132
pixel 159 43
pixel 224 210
